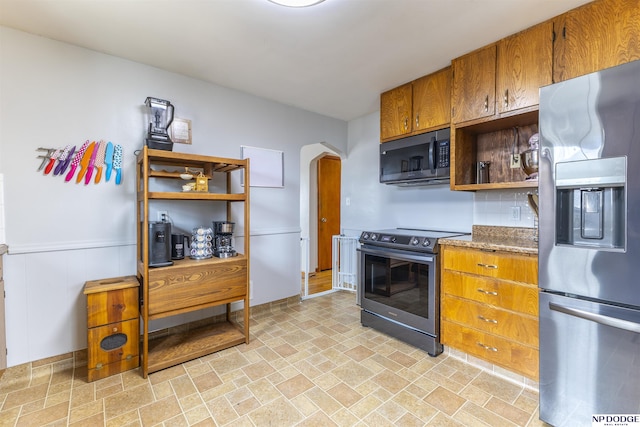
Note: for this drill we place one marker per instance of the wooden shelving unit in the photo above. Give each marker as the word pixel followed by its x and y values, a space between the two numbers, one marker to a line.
pixel 189 284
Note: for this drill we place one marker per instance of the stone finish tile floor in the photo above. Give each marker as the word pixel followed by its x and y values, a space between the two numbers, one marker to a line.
pixel 308 364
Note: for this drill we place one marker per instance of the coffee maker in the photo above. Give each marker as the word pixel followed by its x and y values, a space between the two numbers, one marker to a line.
pixel 159 244
pixel 224 239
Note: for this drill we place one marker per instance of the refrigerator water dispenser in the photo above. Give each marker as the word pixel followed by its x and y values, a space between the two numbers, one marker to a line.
pixel 591 203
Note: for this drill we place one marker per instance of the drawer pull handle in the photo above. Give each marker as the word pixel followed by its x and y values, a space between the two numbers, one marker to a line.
pixel 487 265
pixel 484 319
pixel 482 291
pixel 486 347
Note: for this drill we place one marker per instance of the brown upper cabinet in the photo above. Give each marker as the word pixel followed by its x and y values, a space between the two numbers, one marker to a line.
pixel 524 64
pixel 416 107
pixel 503 77
pixel 432 101
pixel 474 85
pixel 395 112
pixel 596 36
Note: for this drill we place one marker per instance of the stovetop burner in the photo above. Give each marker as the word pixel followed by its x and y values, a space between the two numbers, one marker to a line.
pixel 407 238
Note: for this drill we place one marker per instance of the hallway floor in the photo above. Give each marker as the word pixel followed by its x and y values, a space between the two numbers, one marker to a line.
pixel 308 364
pixel 318 282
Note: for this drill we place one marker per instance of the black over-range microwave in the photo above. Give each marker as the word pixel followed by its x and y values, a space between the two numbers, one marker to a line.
pixel 416 160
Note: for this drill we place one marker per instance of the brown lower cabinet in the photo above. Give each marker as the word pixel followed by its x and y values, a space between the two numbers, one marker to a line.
pixel 489 307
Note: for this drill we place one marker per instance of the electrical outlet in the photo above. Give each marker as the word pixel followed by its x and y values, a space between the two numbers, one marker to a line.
pixel 163 216
pixel 515 161
pixel 515 213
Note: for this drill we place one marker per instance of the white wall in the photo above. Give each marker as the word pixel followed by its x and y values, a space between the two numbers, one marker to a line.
pixel 63 234
pixel 2 227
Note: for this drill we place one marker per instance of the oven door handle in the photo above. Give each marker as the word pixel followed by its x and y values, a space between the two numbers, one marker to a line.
pixel 393 254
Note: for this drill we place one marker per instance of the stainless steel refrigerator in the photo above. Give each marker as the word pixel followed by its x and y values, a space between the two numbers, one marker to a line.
pixel 589 247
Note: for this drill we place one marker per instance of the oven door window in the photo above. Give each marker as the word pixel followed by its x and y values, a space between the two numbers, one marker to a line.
pixel 397 283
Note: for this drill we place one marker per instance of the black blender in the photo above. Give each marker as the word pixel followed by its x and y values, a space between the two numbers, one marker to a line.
pixel 160 116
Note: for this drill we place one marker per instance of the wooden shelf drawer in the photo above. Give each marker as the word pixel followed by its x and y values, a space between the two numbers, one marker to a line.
pixel 509 295
pixel 499 351
pixel 516 267
pixel 172 290
pixel 507 324
pixel 113 348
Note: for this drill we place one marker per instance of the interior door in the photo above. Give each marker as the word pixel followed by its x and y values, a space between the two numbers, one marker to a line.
pixel 329 168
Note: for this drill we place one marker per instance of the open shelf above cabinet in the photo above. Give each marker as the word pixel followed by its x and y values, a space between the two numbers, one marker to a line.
pixel 493 141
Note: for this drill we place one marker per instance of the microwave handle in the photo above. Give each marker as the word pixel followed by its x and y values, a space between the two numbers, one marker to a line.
pixel 432 154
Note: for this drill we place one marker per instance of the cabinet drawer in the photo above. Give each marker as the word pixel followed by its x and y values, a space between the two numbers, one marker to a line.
pixel 499 293
pixel 112 306
pixel 507 324
pixel 500 351
pixel 174 290
pixel 113 348
pixel 502 265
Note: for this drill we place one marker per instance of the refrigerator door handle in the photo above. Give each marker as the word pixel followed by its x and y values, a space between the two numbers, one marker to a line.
pixel 598 318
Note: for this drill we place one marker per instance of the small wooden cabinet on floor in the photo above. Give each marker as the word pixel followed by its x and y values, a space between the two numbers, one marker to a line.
pixel 189 285
pixel 113 326
pixel 489 307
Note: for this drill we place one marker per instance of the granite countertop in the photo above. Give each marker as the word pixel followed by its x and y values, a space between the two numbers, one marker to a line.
pixel 510 239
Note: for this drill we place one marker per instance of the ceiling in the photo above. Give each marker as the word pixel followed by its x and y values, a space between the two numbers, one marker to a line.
pixel 334 58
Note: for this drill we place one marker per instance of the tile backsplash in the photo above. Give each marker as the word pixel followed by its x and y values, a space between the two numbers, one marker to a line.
pixel 508 208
